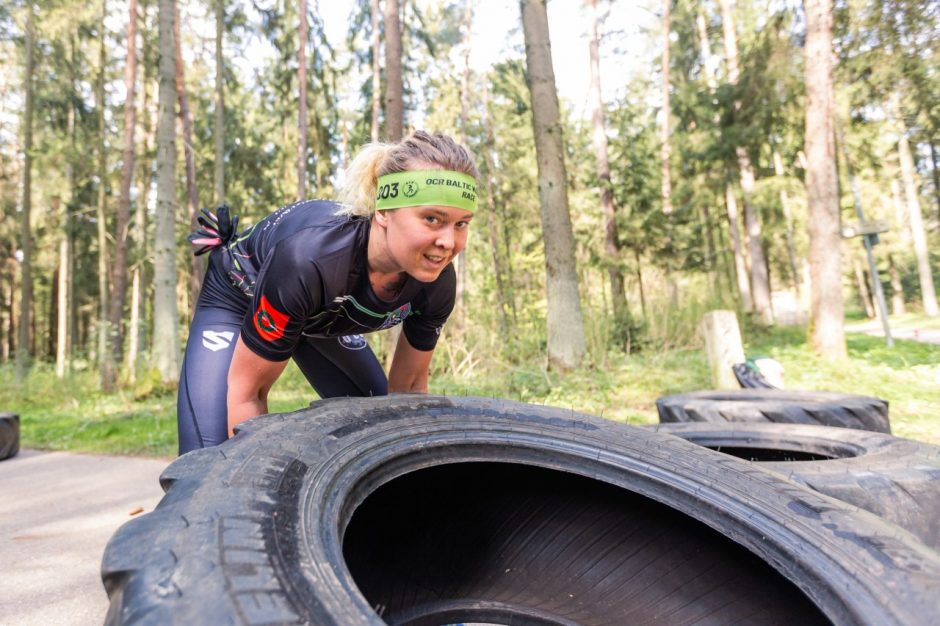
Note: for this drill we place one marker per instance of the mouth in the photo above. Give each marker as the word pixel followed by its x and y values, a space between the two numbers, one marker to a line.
pixel 436 259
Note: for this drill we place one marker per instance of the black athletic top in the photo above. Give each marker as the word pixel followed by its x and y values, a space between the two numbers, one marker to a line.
pixel 304 271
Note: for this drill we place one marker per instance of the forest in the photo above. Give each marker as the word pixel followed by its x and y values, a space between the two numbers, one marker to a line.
pixel 774 158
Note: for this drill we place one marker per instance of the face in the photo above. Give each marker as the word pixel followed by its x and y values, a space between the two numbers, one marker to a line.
pixel 422 240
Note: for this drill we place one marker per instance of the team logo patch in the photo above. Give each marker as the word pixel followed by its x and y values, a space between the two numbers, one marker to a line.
pixel 411 188
pixel 353 342
pixel 269 322
pixel 215 340
pixel 396 317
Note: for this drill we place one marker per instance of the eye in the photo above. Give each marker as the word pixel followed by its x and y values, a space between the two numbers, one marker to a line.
pixel 461 225
pixel 432 220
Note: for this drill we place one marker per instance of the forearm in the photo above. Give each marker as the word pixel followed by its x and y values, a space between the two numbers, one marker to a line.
pixel 241 409
pixel 250 377
pixel 409 370
pixel 407 385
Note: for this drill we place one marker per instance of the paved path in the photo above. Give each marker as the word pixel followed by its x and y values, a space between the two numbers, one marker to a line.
pixel 898 331
pixel 57 512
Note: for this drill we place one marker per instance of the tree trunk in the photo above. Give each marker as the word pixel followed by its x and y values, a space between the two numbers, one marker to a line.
pixel 492 218
pixel 66 320
pixel 936 177
pixel 302 104
pixel 608 209
pixel 639 280
pixel 897 289
pixel 218 131
pixel 137 327
pixel 7 339
pixel 165 313
pixel 119 265
pixel 740 267
pixel 664 149
pixel 197 266
pixel 26 235
pixel 62 287
pixel 863 295
pixel 461 260
pixel 566 342
pixel 376 71
pixel 827 335
pixel 760 279
pixel 394 106
pixel 918 234
pixel 105 331
pixel 788 223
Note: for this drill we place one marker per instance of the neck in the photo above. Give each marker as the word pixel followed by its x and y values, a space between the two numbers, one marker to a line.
pixel 384 276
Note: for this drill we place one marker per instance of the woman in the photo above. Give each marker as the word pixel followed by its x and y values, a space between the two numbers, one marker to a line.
pixel 309 279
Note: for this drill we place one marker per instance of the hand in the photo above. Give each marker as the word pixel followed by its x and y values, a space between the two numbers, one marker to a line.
pixel 217 229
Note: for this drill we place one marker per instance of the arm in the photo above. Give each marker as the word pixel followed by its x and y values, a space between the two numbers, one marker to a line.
pixel 409 370
pixel 249 379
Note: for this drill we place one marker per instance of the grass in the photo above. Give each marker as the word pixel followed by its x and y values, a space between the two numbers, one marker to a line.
pixel 72 414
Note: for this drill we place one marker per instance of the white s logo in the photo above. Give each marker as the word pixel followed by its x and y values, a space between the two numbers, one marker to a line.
pixel 216 341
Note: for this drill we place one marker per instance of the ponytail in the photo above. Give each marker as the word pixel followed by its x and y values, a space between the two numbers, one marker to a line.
pixel 357 195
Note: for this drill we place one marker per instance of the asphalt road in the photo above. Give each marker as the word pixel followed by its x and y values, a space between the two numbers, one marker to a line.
pixel 57 512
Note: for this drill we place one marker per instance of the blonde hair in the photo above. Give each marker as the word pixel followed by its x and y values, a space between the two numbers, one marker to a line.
pixel 420 150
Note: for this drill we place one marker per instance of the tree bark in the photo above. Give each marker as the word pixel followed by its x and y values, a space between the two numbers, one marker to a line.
pixel 106 367
pixel 760 279
pixel 918 234
pixel 566 342
pixel 302 104
pixel 376 72
pixel 136 328
pixel 936 177
pixel 165 314
pixel 62 289
pixel 897 288
pixel 740 267
pixel 863 295
pixel 492 216
pixel 197 265
pixel 119 265
pixel 788 223
pixel 664 149
pixel 218 133
pixel 394 106
pixel 608 209
pixel 827 335
pixel 26 235
pixel 65 318
pixel 461 260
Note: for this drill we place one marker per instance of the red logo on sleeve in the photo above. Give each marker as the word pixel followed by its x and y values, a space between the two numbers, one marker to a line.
pixel 269 322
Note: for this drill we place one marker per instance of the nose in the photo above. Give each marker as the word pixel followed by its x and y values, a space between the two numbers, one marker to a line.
pixel 445 239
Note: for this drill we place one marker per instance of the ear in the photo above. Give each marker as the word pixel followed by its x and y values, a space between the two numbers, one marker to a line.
pixel 381 218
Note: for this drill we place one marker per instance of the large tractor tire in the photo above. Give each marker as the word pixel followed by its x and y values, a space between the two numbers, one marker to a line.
pixel 9 435
pixel 897 479
pixel 434 510
pixel 821 408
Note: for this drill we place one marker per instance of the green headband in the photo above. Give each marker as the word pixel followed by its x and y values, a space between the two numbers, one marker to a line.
pixel 426 187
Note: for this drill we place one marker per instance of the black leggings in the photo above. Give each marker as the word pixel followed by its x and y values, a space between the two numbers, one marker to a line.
pixel 334 367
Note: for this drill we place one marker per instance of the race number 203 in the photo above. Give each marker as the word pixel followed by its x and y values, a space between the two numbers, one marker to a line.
pixel 388 191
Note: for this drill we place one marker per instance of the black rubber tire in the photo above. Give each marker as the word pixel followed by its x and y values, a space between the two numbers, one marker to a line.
pixel 894 478
pixel 9 435
pixel 431 510
pixel 822 408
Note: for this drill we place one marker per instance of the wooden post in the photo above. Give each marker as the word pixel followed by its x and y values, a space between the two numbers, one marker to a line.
pixel 723 347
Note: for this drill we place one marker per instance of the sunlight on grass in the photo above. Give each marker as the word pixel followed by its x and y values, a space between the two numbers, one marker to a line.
pixel 72 414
